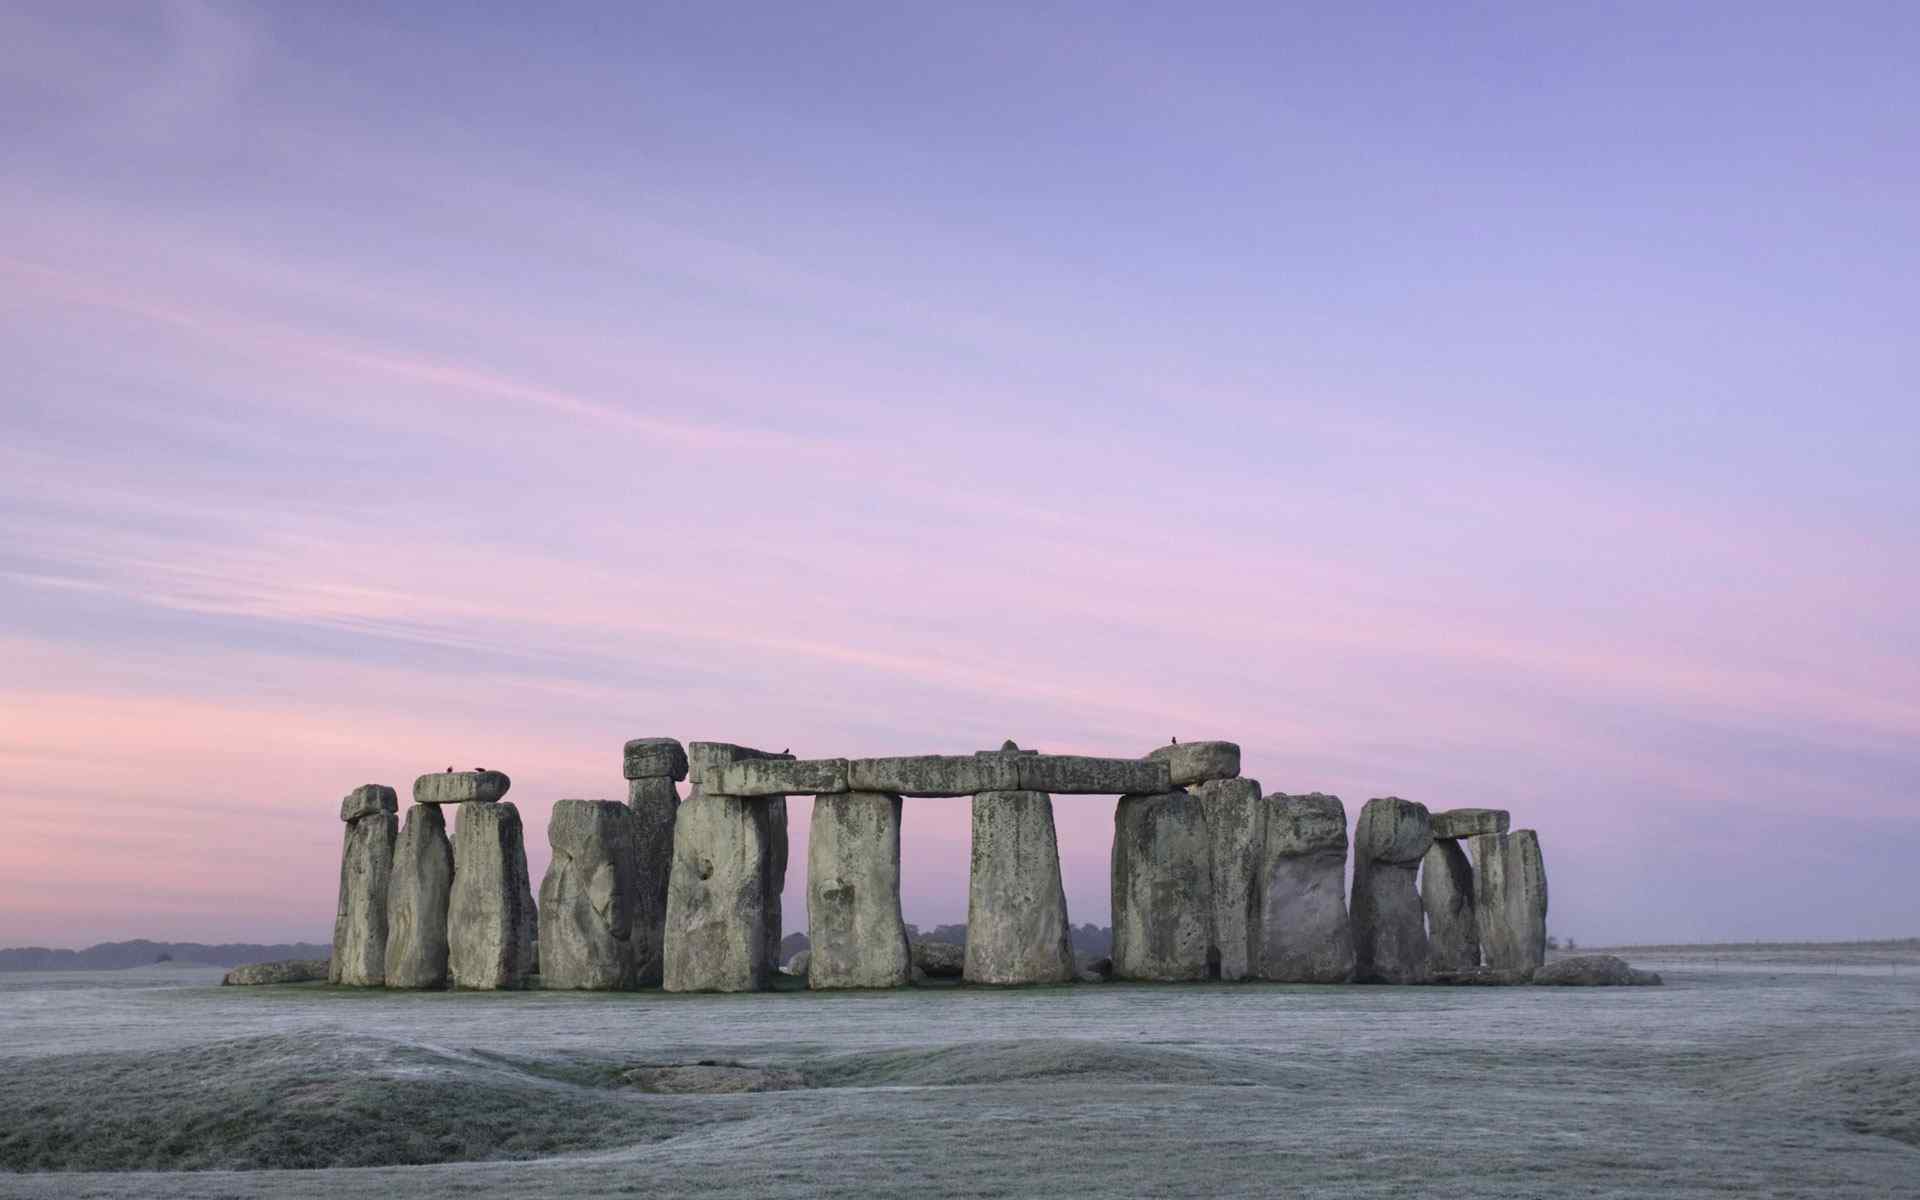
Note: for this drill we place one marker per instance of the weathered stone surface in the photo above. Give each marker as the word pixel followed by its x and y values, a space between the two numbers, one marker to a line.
pixel 799 964
pixel 368 799
pixel 1305 935
pixel 775 874
pixel 654 758
pixel 854 927
pixel 360 917
pixel 1198 762
pixel 461 787
pixel 707 758
pixel 1389 923
pixel 935 774
pixel 292 970
pixel 1073 774
pixel 939 960
pixel 1446 893
pixel 1510 899
pixel 490 917
pixel 1237 827
pixel 1593 970
pixel 718 935
pixel 1162 888
pixel 1017 930
pixel 588 898
pixel 654 801
pixel 418 896
pixel 1456 823
pixel 783 776
pixel 711 1079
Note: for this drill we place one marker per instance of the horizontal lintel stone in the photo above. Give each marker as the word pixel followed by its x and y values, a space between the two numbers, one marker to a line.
pixel 1072 774
pixel 706 759
pixel 461 787
pixel 1199 762
pixel 1456 823
pixel 782 777
pixel 933 775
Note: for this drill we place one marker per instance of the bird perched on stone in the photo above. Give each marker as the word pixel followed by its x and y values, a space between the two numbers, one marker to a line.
pixel 1174 742
pixel 479 768
pixel 449 770
pixel 788 750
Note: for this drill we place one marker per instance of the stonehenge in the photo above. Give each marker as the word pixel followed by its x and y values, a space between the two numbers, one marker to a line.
pixel 1210 878
pixel 1390 839
pixel 366 868
pixel 1305 933
pixel 857 936
pixel 587 899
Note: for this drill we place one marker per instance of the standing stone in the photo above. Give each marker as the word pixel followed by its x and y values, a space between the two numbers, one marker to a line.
pixel 1389 924
pixel 1017 930
pixel 716 928
pixel 1305 936
pixel 1237 828
pixel 1510 899
pixel 588 898
pixel 854 928
pixel 366 868
pixel 1446 893
pixel 774 873
pixel 1162 888
pixel 490 918
pixel 651 766
pixel 417 901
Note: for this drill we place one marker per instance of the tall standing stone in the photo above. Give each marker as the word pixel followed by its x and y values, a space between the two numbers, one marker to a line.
pixel 490 918
pixel 652 766
pixel 1389 924
pixel 729 864
pixel 1510 899
pixel 1237 829
pixel 417 899
pixel 366 867
pixel 1017 930
pixel 588 898
pixel 854 927
pixel 1162 888
pixel 1305 933
pixel 1446 893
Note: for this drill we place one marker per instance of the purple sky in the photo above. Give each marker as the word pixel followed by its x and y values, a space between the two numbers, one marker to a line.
pixel 1512 409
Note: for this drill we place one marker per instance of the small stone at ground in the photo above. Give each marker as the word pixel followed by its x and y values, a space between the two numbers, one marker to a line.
pixel 1593 970
pixel 292 970
pixel 939 960
pixel 1479 977
pixel 798 964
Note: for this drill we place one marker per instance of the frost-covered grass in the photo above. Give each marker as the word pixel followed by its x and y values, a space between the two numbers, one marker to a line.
pixel 1727 1081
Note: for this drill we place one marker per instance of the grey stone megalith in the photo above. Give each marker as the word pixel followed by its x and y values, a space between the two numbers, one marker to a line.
pixel 417 899
pixel 652 767
pixel 1237 828
pixel 1162 888
pixel 1389 924
pixel 857 936
pixel 490 918
pixel 1305 934
pixel 1510 899
pixel 366 867
pixel 1017 930
pixel 729 863
pixel 588 898
pixel 1446 893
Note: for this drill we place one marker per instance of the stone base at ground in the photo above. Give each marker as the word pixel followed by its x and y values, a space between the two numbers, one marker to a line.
pixel 1593 970
pixel 293 970
pixel 939 960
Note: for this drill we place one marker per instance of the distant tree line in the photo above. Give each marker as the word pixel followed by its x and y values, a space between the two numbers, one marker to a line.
pixel 113 956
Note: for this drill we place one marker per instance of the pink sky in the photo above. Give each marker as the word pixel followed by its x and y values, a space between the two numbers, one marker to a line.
pixel 350 433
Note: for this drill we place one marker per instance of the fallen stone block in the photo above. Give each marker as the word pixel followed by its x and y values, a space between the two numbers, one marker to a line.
pixel 1237 827
pixel 1593 970
pixel 1162 888
pixel 1510 899
pixel 588 898
pixel 939 960
pixel 1198 762
pixel 292 970
pixel 490 916
pixel 1305 933
pixel 418 896
pixel 461 787
pixel 1017 928
pixel 654 758
pixel 1457 823
pixel 1446 893
pixel 783 777
pixel 366 868
pixel 1073 774
pixel 1478 977
pixel 935 774
pixel 854 929
pixel 654 801
pixel 1389 922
